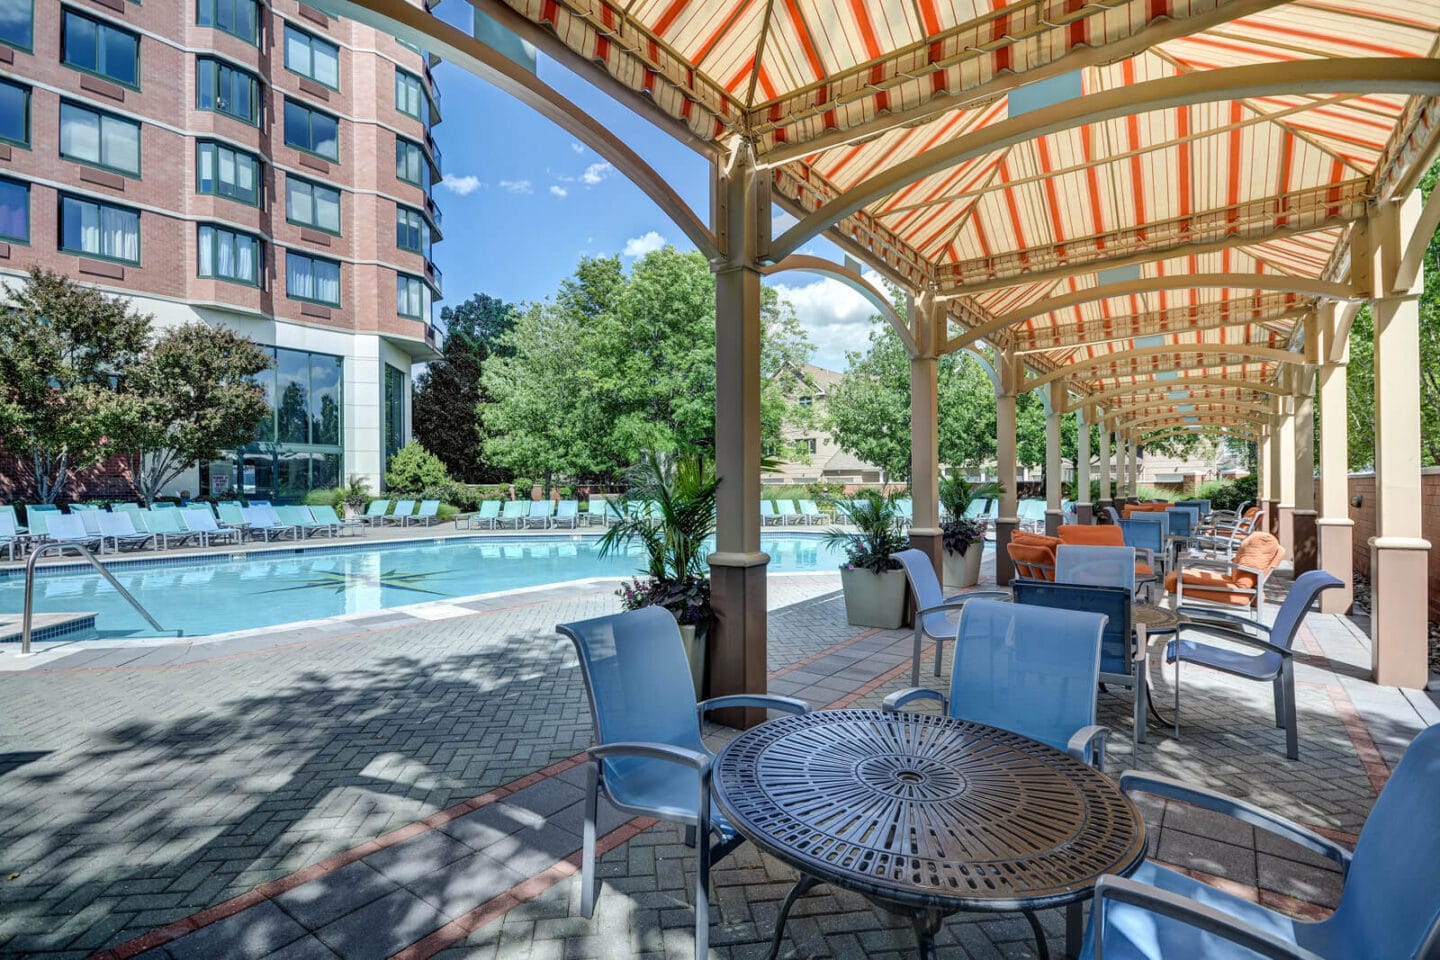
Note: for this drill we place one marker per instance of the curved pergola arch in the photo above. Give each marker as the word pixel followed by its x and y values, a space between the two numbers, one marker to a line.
pixel 1219 432
pixel 1185 383
pixel 1276 282
pixel 1252 351
pixel 1368 75
pixel 804 263
pixel 1211 407
pixel 1134 428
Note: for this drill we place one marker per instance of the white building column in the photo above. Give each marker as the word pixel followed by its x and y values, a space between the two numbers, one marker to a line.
pixel 1084 507
pixel 925 434
pixel 1105 498
pixel 1054 462
pixel 1263 471
pixel 1285 471
pixel 1335 531
pixel 1304 556
pixel 1132 476
pixel 1011 374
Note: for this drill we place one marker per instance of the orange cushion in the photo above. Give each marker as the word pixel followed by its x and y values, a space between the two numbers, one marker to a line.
pixel 1259 551
pixel 1143 570
pixel 1143 508
pixel 1035 539
pixel 1080 533
pixel 1196 582
pixel 1028 553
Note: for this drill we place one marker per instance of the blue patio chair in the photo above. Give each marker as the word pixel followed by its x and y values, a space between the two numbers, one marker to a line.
pixel 1145 535
pixel 8 510
pixel 263 521
pixel 1272 659
pixel 231 515
pixel 649 759
pixel 118 528
pixel 975 508
pixel 1389 905
pixel 324 513
pixel 787 512
pixel 200 520
pixel 70 530
pixel 767 513
pixel 10 538
pixel 540 513
pixel 905 511
pixel 304 522
pixel 810 512
pixel 932 607
pixel 567 513
pixel 127 506
pixel 1031 511
pixel 169 528
pixel 597 510
pixel 402 512
pixel 1202 507
pixel 375 512
pixel 1031 670
pixel 1111 514
pixel 1095 566
pixel 428 513
pixel 484 518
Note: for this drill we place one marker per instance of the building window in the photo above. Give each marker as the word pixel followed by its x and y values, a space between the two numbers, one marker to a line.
pixel 412 297
pixel 228 90
pixel 17 23
pixel 313 279
pixel 225 172
pixel 409 162
pixel 14 211
pixel 312 131
pixel 14 113
pixel 806 401
pixel 99 230
pixel 312 57
pixel 411 231
pixel 99 139
pixel 394 411
pixel 312 205
pixel 228 255
pixel 100 48
pixel 239 18
pixel 409 94
pixel 298 446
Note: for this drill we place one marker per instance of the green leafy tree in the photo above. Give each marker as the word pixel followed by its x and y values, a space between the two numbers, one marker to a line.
pixel 413 469
pixel 62 347
pixel 450 389
pixel 192 396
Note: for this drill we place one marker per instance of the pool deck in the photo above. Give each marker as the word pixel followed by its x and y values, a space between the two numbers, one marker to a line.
pixel 392 787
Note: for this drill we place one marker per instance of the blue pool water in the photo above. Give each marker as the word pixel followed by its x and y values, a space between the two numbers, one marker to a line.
pixel 218 594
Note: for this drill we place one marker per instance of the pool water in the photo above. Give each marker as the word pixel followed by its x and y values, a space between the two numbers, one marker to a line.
pixel 221 592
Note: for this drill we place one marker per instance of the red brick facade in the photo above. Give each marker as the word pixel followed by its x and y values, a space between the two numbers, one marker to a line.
pixel 1363 486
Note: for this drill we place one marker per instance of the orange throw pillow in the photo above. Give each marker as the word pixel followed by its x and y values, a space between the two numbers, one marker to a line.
pixel 1079 533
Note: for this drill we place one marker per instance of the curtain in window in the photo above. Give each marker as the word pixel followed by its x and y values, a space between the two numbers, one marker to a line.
pixel 327 282
pixel 14 211
pixel 299 281
pixel 245 265
pixel 207 251
pixel 327 210
pixel 119 233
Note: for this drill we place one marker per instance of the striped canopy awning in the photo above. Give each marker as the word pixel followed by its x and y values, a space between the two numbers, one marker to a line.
pixel 1122 187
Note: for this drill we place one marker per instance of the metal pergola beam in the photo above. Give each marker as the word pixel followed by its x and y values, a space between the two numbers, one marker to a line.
pixel 807 264
pixel 1202 430
pixel 1228 349
pixel 1186 383
pixel 1187 319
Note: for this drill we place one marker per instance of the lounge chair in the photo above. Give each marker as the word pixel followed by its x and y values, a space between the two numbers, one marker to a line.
pixel 1238 582
pixel 483 519
pixel 304 521
pixel 514 514
pixel 649 758
pixel 787 512
pixel 91 520
pixel 375 512
pixel 119 529
pixel 767 513
pixel 7 510
pixel 263 522
pixel 127 506
pixel 169 528
pixel 38 530
pixel 325 513
pixel 403 510
pixel 428 513
pixel 597 511
pixel 231 514
pixel 1033 554
pixel 69 530
pixel 540 513
pixel 10 538
pixel 202 521
pixel 567 513
pixel 84 507
pixel 810 512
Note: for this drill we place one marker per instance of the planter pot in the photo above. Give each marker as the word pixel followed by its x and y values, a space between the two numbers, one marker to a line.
pixel 963 569
pixel 695 654
pixel 874 600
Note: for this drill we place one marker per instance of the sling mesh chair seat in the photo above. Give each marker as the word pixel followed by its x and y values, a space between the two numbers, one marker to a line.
pixel 649 759
pixel 932 608
pixel 1389 905
pixel 1107 535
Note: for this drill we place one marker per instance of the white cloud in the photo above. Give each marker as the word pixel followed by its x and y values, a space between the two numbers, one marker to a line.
pixel 464 186
pixel 577 147
pixel 516 186
pixel 643 244
pixel 558 191
pixel 836 316
pixel 595 173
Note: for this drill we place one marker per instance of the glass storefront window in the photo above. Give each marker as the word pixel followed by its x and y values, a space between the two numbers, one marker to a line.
pixel 394 411
pixel 299 447
pixel 324 399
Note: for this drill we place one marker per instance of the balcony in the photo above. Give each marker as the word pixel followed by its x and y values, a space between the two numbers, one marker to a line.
pixel 437 220
pixel 436 278
pixel 433 149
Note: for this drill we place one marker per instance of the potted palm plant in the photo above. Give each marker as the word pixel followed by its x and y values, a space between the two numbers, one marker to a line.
pixel 673 538
pixel 872 579
pixel 963 537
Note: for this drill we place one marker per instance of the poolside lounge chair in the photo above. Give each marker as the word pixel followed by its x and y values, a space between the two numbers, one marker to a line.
pixel 788 513
pixel 262 522
pixel 68 529
pixel 514 514
pixel 767 513
pixel 10 538
pixel 649 758
pixel 403 510
pixel 1033 554
pixel 169 528
pixel 230 514
pixel 540 513
pixel 810 512
pixel 375 512
pixel 597 511
pixel 304 521
pixel 126 506
pixel 91 520
pixel 1238 582
pixel 119 530
pixel 8 510
pixel 567 513
pixel 428 513
pixel 324 513
pixel 202 521
pixel 482 519
pixel 1389 902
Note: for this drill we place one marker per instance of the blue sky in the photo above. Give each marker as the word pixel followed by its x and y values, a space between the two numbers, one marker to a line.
pixel 523 201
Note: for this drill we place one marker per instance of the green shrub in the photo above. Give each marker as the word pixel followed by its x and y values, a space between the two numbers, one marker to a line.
pixel 330 497
pixel 414 469
pixel 447 511
pixel 1228 495
pixel 820 491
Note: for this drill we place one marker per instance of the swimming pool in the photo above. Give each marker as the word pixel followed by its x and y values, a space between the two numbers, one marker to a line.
pixel 221 592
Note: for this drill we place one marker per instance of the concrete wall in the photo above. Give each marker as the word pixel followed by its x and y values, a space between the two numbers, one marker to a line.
pixel 1363 485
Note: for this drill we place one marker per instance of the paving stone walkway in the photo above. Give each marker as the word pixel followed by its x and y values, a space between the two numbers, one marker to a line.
pixel 411 789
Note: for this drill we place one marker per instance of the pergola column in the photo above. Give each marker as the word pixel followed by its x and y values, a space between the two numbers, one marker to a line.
pixel 925 435
pixel 1011 373
pixel 1132 473
pixel 1054 462
pixel 1334 529
pixel 1285 454
pixel 1274 475
pixel 1105 499
pixel 736 653
pixel 1084 508
pixel 1398 553
pixel 1263 472
pixel 1305 556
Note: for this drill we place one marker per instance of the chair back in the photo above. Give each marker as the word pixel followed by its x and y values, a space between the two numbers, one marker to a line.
pixel 1392 891
pixel 1114 603
pixel 567 509
pixel 36 519
pixel 324 513
pixel 377 508
pixel 90 519
pixel 490 509
pixel 809 508
pixel 294 516
pixel 1302 596
pixel 1159 517
pixel 127 507
pixel 767 509
pixel 7 526
pixel 1032 554
pixel 639 685
pixel 1183 520
pixel 597 507
pixel 66 527
pixel 1033 670
pixel 1093 535
pixel 84 507
pixel 404 508
pixel 921 574
pixel 256 517
pixel 1095 566
pixel 118 525
pixel 428 508
pixel 974 508
pixel 1143 534
pixel 785 508
pixel 163 521
pixel 231 513
pixel 540 509
pixel 8 510
pixel 515 509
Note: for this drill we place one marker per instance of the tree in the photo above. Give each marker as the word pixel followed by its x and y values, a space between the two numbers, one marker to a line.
pixel 450 389
pixel 62 347
pixel 190 397
pixel 413 469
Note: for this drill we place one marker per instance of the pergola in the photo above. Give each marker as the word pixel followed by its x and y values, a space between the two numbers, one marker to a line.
pixel 1162 213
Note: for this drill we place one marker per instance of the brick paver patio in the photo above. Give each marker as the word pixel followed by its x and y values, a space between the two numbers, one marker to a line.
pixel 398 786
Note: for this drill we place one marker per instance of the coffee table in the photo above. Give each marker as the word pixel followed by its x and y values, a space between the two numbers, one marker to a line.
pixel 927 815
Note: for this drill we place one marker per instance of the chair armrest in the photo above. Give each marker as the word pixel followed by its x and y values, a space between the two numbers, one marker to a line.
pixel 1089 740
pixel 1149 555
pixel 900 698
pixel 1158 786
pixel 1154 900
pixel 1215 614
pixel 653 751
pixel 765 701
pixel 959 599
pixel 1237 636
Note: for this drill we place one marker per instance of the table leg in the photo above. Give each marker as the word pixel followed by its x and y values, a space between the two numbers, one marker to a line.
pixel 1074 929
pixel 802 886
pixel 1042 947
pixel 1142 673
pixel 926 925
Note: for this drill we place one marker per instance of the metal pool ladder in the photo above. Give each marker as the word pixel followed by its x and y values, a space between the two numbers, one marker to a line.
pixel 99 568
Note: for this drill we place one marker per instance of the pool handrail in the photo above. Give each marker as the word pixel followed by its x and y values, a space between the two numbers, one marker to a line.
pixel 28 616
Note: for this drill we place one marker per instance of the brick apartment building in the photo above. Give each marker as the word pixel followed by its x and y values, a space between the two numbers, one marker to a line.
pixel 231 161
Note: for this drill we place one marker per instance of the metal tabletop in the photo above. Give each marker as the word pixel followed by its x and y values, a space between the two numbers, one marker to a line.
pixel 1156 619
pixel 927 813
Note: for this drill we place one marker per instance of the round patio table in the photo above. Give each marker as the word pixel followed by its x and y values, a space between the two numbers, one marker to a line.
pixel 1149 620
pixel 927 815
